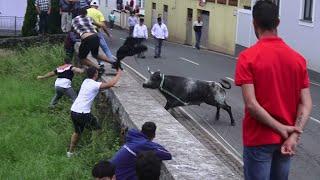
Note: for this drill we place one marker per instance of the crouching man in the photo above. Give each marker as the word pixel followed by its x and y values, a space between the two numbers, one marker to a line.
pixel 137 142
pixel 81 108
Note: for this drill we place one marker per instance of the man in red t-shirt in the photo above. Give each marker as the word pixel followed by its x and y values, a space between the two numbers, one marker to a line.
pixel 275 87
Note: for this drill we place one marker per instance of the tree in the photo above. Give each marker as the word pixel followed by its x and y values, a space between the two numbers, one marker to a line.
pixel 54 18
pixel 30 20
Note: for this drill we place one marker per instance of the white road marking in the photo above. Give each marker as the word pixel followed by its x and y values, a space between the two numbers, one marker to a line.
pixel 235 153
pixel 317 84
pixel 185 59
pixel 151 47
pixel 230 79
pixel 315 120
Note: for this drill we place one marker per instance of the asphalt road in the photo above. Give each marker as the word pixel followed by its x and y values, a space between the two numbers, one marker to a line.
pixel 185 61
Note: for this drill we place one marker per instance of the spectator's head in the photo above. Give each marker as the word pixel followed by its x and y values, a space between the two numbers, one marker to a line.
pixel 159 20
pixel 141 21
pixel 104 170
pixel 83 11
pixel 131 13
pixel 199 18
pixel 112 12
pixel 148 166
pixel 94 4
pixel 265 17
pixel 149 129
pixel 67 60
pixel 92 73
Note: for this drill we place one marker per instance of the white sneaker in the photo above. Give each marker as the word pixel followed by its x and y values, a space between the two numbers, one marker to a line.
pixel 69 154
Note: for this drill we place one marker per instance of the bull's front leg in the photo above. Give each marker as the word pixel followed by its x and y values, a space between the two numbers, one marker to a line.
pixel 218 113
pixel 228 109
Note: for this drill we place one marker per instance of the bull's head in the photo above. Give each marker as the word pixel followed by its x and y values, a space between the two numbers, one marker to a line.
pixel 154 81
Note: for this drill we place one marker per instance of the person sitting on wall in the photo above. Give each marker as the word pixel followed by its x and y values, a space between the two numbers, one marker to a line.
pixel 136 142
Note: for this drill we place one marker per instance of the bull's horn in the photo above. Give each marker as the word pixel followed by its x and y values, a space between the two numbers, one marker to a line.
pixel 149 70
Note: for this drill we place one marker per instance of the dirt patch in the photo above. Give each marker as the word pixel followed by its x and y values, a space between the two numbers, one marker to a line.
pixel 5 53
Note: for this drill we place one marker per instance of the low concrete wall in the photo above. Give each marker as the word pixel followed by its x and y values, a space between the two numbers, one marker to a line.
pixel 191 160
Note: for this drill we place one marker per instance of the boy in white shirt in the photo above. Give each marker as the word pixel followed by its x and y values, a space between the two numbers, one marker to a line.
pixel 140 32
pixel 160 32
pixel 81 108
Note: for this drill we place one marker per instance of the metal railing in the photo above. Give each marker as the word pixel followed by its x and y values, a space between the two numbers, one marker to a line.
pixel 10 25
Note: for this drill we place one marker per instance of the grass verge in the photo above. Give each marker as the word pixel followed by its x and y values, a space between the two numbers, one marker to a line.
pixel 33 138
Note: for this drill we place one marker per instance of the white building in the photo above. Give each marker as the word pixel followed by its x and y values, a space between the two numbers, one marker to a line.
pixel 12 14
pixel 299 27
pixel 106 6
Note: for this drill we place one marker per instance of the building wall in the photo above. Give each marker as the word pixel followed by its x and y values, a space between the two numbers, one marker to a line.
pixel 222 22
pixel 304 39
pixel 16 8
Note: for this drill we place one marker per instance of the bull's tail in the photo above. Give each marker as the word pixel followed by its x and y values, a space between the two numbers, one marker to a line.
pixel 225 84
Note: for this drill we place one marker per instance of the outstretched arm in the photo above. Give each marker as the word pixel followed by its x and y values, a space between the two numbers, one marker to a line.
pixel 112 82
pixel 49 74
pixel 78 70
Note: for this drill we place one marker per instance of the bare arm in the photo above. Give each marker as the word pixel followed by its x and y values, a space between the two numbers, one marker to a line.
pixel 49 74
pixel 261 115
pixel 112 82
pixel 77 70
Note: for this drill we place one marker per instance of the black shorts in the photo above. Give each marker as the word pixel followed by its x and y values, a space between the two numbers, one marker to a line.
pixel 84 120
pixel 89 44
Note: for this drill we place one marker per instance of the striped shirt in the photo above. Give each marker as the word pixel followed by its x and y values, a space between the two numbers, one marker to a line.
pixel 83 24
pixel 43 5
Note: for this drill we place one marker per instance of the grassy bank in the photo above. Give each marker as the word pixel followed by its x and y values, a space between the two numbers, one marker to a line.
pixel 34 138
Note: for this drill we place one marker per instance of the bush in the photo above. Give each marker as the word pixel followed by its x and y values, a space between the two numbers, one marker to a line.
pixel 30 20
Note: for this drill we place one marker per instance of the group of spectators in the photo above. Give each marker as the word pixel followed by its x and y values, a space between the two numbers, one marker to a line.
pixel 139 158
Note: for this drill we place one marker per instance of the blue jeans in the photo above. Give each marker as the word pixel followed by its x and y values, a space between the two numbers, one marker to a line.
pixel 158 45
pixel 198 37
pixel 104 47
pixel 265 163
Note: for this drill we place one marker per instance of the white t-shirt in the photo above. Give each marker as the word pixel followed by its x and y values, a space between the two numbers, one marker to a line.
pixel 88 91
pixel 63 82
pixel 197 23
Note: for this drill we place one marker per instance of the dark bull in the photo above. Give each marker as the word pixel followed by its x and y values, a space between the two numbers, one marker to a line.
pixel 180 91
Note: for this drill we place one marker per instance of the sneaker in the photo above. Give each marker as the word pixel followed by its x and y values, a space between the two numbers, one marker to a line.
pixel 69 154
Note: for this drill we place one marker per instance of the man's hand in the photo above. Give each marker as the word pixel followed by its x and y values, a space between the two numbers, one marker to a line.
pixel 39 77
pixel 286 131
pixel 289 146
pixel 48 12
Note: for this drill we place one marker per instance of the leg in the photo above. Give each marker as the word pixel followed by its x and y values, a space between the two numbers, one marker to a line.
pixel 57 96
pixel 228 109
pixel 218 113
pixel 156 46
pixel 257 162
pixel 160 46
pixel 70 93
pixel 74 141
pixel 139 40
pixel 104 46
pixel 41 22
pixel 78 122
pixel 69 21
pixel 63 21
pixel 46 19
pixel 280 166
pixel 197 39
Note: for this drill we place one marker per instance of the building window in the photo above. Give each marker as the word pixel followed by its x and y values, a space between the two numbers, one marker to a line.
pixel 165 8
pixel 222 1
pixel 154 6
pixel 308 10
pixel 233 2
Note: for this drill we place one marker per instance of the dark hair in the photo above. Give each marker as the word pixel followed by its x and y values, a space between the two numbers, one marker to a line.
pixel 141 20
pixel 149 129
pixel 148 166
pixel 67 60
pixel 103 169
pixel 266 14
pixel 83 11
pixel 159 19
pixel 91 71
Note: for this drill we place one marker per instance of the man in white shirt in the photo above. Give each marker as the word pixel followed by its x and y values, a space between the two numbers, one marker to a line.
pixel 132 21
pixel 140 32
pixel 160 32
pixel 197 27
pixel 81 108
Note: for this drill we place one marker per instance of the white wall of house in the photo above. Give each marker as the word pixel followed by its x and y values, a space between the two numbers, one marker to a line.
pixel 13 8
pixel 106 6
pixel 300 35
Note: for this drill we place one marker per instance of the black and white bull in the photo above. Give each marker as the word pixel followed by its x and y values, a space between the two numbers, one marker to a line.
pixel 181 91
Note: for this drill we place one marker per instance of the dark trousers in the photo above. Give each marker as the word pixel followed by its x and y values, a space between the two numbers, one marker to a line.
pixel 157 49
pixel 198 37
pixel 63 91
pixel 140 42
pixel 43 24
pixel 131 28
pixel 111 24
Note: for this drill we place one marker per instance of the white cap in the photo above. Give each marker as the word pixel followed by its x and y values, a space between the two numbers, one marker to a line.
pixel 94 3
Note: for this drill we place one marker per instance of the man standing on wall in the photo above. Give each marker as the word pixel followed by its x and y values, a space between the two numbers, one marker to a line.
pixel 43 8
pixel 197 27
pixel 275 87
pixel 160 32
